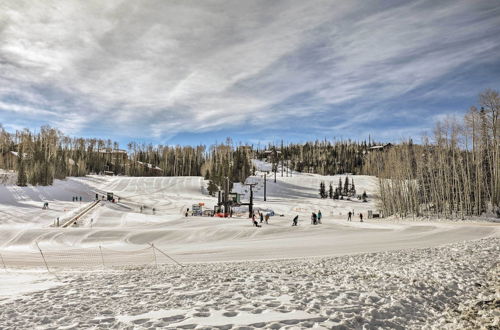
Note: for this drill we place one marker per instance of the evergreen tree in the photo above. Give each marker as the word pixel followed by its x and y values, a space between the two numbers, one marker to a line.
pixel 352 191
pixel 322 190
pixel 212 188
pixel 336 194
pixel 330 191
pixel 346 186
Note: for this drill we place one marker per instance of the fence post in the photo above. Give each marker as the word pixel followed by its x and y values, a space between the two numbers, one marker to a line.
pixel 43 257
pixel 102 257
pixel 154 254
pixel 166 255
pixel 3 262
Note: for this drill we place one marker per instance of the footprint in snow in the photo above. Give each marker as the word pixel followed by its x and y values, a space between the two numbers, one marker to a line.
pixel 230 314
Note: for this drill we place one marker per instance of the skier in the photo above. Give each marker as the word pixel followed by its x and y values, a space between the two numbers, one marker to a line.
pixel 349 216
pixel 261 217
pixel 319 217
pixel 295 220
pixel 361 217
pixel 187 212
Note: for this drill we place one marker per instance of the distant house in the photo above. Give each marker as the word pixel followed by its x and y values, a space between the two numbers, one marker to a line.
pixel 380 147
pixel 153 169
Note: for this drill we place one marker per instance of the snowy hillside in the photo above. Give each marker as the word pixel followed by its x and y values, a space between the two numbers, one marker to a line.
pixel 377 272
pixel 152 210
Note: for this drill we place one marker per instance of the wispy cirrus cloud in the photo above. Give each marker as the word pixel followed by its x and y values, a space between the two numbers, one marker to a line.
pixel 157 69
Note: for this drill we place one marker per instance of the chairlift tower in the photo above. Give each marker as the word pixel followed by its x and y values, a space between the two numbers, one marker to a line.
pixel 250 205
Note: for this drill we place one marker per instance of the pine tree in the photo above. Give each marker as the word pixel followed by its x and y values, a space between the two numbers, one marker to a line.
pixel 346 186
pixel 330 191
pixel 322 190
pixel 212 188
pixel 336 194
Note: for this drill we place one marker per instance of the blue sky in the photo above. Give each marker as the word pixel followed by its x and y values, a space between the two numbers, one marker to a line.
pixel 190 72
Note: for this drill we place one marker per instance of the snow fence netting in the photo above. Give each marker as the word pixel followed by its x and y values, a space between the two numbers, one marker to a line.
pixel 92 257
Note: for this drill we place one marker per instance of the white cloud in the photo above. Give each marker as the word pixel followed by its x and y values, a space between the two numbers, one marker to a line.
pixel 157 68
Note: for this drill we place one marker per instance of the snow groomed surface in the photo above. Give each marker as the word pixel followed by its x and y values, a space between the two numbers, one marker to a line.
pixel 124 227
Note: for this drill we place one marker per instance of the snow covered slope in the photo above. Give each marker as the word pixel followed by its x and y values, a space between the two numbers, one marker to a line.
pixel 124 225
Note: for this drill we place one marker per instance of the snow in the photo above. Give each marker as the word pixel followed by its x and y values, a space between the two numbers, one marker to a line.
pixel 15 283
pixel 377 273
pixel 410 289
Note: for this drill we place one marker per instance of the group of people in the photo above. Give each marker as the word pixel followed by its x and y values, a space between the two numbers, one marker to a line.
pixel 316 218
pixel 350 214
pixel 76 198
pixel 262 218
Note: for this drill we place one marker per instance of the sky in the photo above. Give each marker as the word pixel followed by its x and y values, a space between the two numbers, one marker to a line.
pixel 197 72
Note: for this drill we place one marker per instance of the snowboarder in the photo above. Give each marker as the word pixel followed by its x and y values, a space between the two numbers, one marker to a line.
pixel 295 220
pixel 349 216
pixel 319 217
pixel 361 217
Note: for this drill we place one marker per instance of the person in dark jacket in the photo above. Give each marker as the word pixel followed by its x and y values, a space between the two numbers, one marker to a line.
pixel 295 220
pixel 314 218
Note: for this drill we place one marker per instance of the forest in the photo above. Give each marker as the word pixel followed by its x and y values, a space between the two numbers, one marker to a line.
pixel 454 172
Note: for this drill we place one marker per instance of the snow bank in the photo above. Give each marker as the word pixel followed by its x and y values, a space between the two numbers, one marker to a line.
pixel 404 289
